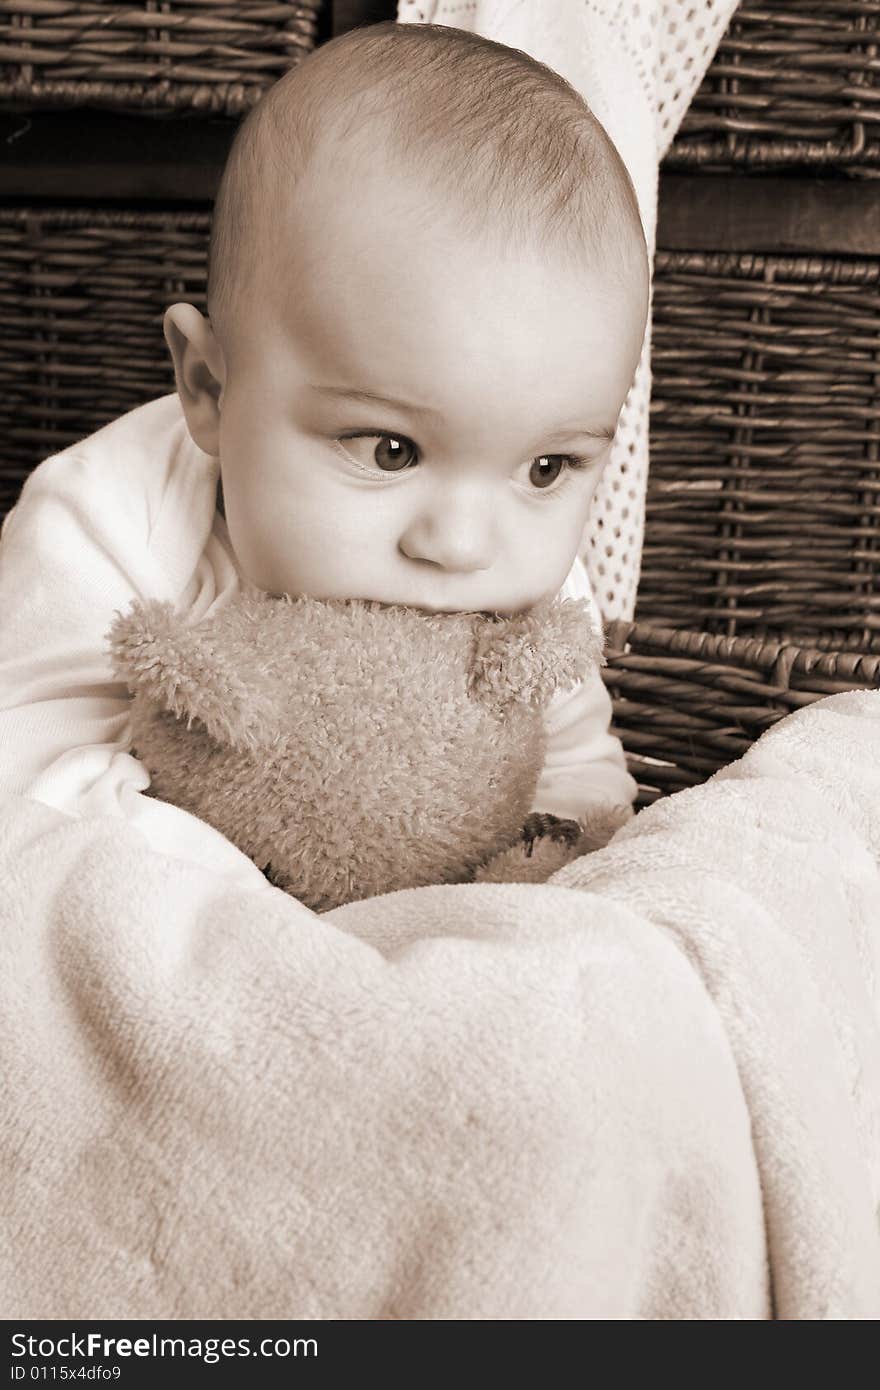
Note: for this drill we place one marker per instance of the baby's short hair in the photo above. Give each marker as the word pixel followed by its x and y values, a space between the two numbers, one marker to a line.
pixel 498 137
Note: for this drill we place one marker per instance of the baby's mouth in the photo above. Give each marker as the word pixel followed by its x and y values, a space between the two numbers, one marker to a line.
pixel 437 612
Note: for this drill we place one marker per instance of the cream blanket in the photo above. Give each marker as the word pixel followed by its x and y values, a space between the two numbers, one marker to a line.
pixel 650 1089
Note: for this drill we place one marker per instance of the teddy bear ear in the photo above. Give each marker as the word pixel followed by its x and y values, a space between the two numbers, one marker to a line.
pixel 182 669
pixel 530 656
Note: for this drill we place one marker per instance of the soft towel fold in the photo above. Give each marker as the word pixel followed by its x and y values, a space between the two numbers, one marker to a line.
pixel 589 1099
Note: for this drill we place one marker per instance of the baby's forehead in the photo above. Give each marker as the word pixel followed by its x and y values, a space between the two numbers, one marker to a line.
pixel 472 177
pixel 477 348
pixel 368 184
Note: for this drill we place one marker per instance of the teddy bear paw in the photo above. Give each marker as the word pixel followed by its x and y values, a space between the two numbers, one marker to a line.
pixel 542 824
pixel 546 843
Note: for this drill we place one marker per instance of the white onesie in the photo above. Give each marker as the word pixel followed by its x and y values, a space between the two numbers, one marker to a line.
pixel 130 512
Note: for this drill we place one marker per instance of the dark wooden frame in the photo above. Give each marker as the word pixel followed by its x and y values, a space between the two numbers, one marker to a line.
pixel 347 14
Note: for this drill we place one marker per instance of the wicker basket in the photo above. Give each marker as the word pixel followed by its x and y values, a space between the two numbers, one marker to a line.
pixel 82 295
pixel 792 82
pixel 160 56
pixel 687 703
pixel 764 489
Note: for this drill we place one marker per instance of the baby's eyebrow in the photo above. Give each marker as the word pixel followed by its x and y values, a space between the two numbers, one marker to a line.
pixel 351 393
pixel 602 432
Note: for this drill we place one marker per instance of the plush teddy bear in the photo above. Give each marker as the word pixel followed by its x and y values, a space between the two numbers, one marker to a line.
pixel 351 748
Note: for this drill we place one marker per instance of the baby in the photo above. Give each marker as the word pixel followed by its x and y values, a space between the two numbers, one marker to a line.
pixel 427 297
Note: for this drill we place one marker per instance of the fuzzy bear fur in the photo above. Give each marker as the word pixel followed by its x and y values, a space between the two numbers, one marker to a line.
pixel 353 748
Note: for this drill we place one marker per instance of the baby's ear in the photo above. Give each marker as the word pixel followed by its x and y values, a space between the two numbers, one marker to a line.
pixel 185 671
pixel 527 658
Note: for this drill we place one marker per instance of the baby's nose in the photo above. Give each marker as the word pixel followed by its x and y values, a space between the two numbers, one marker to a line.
pixel 457 534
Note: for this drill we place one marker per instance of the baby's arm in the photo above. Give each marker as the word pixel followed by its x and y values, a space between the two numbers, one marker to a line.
pixel 584 774
pixel 93 529
pixel 66 561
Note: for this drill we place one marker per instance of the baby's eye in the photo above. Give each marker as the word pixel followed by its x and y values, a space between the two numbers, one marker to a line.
pixel 545 469
pixel 551 473
pixel 390 453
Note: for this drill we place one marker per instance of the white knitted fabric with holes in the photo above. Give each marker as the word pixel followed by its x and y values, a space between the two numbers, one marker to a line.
pixel 637 63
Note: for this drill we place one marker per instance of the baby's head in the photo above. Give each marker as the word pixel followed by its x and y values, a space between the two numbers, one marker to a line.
pixel 427 297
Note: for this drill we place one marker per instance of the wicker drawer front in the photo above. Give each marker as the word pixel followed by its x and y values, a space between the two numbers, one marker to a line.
pixel 792 82
pixel 763 512
pixel 687 703
pixel 82 295
pixel 160 55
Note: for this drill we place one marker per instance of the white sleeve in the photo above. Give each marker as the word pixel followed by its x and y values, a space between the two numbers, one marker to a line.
pixel 585 765
pixel 90 533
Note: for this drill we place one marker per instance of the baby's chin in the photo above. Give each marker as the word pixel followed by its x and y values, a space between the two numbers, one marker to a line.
pixel 449 594
pixel 434 609
pixel 486 603
pixel 435 593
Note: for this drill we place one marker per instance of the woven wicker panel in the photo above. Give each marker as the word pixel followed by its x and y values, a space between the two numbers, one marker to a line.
pixel 764 491
pixel 82 295
pixel 792 82
pixel 159 55
pixel 687 703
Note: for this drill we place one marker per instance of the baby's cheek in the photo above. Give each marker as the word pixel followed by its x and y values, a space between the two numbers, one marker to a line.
pixel 317 547
pixel 259 543
pixel 563 538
